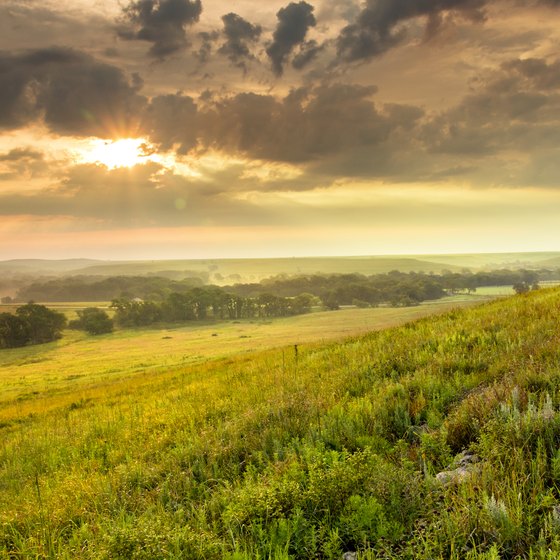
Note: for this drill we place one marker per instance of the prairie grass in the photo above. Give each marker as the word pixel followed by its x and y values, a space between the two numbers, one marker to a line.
pixel 278 454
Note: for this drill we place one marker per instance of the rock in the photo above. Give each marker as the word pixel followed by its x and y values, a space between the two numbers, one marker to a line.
pixel 350 556
pixel 462 468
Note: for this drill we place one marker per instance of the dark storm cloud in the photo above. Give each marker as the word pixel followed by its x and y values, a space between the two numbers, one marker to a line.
pixel 377 27
pixel 239 34
pixel 74 93
pixel 294 21
pixel 307 53
pixel 160 22
pixel 308 124
pixel 381 23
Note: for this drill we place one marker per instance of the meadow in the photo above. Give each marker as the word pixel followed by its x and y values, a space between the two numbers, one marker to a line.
pixel 45 375
pixel 251 448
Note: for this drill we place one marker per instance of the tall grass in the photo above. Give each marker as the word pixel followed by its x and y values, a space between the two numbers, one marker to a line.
pixel 274 456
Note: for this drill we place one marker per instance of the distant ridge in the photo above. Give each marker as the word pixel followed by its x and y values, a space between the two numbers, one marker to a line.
pixel 246 270
pixel 41 265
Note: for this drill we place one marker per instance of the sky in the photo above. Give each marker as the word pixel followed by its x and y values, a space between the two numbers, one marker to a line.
pixel 151 129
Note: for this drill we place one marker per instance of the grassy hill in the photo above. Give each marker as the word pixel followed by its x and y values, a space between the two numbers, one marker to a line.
pixel 303 454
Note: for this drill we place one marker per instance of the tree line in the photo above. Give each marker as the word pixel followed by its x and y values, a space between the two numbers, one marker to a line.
pixel 394 288
pixel 92 288
pixel 209 302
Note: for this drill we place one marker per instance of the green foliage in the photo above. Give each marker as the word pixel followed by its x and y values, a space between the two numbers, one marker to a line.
pixel 93 320
pixel 199 304
pixel 14 331
pixel 32 324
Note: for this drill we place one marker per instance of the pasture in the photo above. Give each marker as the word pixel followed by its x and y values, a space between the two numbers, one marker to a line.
pixel 80 366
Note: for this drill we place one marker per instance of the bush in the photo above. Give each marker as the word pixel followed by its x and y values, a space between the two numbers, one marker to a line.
pixel 94 321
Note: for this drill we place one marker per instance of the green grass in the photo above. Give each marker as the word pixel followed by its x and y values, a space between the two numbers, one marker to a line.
pixel 274 455
pixel 53 373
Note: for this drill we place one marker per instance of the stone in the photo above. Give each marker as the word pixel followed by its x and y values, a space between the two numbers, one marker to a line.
pixel 463 467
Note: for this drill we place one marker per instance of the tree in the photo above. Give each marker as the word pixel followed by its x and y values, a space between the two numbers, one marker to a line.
pixel 94 321
pixel 6 299
pixel 44 324
pixel 521 287
pixel 331 301
pixel 136 313
pixel 14 331
pixel 302 303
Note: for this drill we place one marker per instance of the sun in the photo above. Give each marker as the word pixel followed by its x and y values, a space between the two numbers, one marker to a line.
pixel 126 152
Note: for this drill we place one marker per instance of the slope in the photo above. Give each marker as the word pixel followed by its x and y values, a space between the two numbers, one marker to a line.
pixel 307 454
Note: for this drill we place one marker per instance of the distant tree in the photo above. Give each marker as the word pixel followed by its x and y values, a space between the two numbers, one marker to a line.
pixel 44 324
pixel 136 313
pixel 94 321
pixel 331 301
pixel 302 303
pixel 521 287
pixel 6 299
pixel 14 331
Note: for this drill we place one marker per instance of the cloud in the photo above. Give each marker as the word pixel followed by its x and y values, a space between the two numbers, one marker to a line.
pixel 171 122
pixel 307 125
pixel 307 53
pixel 207 39
pixel 383 24
pixel 515 107
pixel 160 22
pixel 376 29
pixel 147 195
pixel 21 162
pixel 347 10
pixel 21 154
pixel 507 127
pixel 294 21
pixel 238 32
pixel 71 91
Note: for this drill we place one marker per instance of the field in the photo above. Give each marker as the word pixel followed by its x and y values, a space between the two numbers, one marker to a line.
pixel 210 447
pixel 47 375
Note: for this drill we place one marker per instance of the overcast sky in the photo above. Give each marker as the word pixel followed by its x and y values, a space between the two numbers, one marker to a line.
pixel 278 129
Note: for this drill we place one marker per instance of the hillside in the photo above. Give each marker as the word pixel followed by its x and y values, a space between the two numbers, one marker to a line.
pixel 303 453
pixel 226 270
pixel 256 269
pixel 45 266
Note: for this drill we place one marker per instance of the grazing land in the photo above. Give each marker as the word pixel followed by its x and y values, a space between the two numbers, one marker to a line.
pixel 49 374
pixel 233 449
